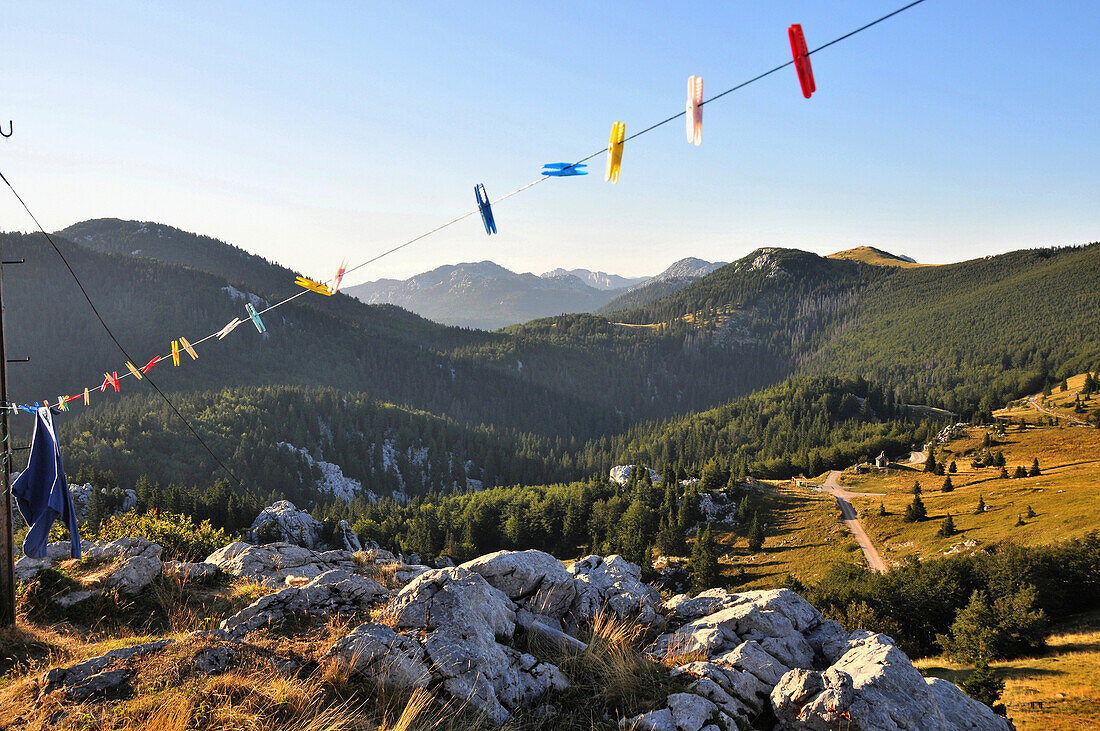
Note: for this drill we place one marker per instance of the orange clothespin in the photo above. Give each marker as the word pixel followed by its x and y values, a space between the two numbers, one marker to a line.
pixel 339 276
pixel 133 370
pixel 801 55
pixel 187 346
pixel 615 152
pixel 314 286
pixel 694 112
pixel 229 327
pixel 175 353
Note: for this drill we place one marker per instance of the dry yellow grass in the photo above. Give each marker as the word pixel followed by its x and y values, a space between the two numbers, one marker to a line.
pixel 1065 497
pixel 1059 405
pixel 804 537
pixel 1064 681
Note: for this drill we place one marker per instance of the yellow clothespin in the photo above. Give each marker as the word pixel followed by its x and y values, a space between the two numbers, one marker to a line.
pixel 87 398
pixel 187 346
pixel 314 286
pixel 615 152
pixel 62 404
pixel 136 373
pixel 175 353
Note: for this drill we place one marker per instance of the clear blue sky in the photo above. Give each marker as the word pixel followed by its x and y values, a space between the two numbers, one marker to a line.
pixel 308 132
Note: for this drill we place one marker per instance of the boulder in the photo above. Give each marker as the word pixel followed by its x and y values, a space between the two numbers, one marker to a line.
pixel 282 522
pixel 135 574
pixel 872 686
pixel 271 564
pixel 614 583
pixel 457 617
pixel 534 580
pixel 685 712
pixel 124 548
pixel 27 568
pixel 377 651
pixel 190 571
pixel 87 677
pixel 774 619
pixel 75 597
pixel 332 593
pixel 214 660
pixel 962 712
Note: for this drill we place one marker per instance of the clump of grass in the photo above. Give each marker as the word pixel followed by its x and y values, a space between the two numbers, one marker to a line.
pixel 244 591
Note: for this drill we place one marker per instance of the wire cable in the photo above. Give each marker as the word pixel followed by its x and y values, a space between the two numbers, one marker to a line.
pixel 466 215
pixel 115 339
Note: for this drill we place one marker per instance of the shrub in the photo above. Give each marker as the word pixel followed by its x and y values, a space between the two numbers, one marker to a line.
pixel 984 630
pixel 983 686
pixel 176 534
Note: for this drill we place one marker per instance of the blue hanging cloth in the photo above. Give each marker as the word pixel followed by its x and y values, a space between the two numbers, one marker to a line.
pixel 42 492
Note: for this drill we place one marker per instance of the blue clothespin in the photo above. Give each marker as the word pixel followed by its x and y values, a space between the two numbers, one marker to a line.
pixel 29 409
pixel 486 209
pixel 255 317
pixel 564 169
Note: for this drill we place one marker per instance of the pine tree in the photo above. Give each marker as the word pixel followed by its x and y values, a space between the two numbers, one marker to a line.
pixel 1004 472
pixel 1020 520
pixel 953 468
pixel 1020 473
pixel 916 488
pixel 948 486
pixel 930 463
pixel 1065 386
pixel 882 509
pixel 983 686
pixel 1034 472
pixel 916 512
pixel 704 561
pixel 756 534
pixel 947 529
pixel 980 510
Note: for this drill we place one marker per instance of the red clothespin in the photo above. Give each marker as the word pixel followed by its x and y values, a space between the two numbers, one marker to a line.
pixel 106 382
pixel 114 380
pixel 339 276
pixel 802 60
pixel 148 366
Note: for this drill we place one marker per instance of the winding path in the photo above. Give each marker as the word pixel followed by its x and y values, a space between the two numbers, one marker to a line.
pixel 851 519
pixel 1034 402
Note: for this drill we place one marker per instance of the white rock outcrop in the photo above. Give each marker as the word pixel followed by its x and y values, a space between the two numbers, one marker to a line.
pixel 459 622
pixel 283 522
pixel 616 584
pixel 332 593
pixel 273 563
pixel 534 580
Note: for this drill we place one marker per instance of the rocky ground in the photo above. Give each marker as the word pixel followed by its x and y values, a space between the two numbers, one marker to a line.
pixel 517 639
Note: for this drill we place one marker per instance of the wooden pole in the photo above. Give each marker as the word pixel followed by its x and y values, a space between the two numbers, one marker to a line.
pixel 7 541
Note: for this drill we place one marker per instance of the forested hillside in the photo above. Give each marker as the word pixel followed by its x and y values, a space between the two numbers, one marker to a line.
pixel 391 354
pixel 302 444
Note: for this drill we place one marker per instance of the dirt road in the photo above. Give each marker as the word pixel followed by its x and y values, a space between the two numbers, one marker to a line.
pixel 851 519
pixel 1034 402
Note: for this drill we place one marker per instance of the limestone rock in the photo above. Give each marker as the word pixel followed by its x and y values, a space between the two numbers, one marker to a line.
pixel 214 660
pixel 271 564
pixel 190 571
pixel 962 712
pixel 377 651
pixel 348 537
pixel 653 721
pixel 135 574
pixel 81 674
pixel 331 593
pixel 27 568
pixel 873 683
pixel 615 583
pixel 124 548
pixel 532 579
pixel 689 711
pixel 458 617
pixel 75 597
pixel 283 522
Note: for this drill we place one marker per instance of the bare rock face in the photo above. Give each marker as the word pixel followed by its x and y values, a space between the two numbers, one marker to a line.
pixel 348 537
pixel 332 593
pixel 135 574
pixel 459 622
pixel 271 564
pixel 534 580
pixel 685 712
pixel 126 548
pixel 283 522
pixel 874 686
pixel 98 675
pixel 190 571
pixel 396 660
pixel 615 583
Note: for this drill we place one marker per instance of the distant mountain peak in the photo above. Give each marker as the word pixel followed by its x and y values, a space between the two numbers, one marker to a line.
pixel 877 257
pixel 596 280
